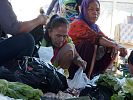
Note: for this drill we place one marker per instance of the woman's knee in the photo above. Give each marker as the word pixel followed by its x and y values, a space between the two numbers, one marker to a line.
pixel 25 43
pixel 28 39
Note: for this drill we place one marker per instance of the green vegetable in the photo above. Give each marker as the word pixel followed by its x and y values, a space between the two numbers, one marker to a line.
pixel 14 94
pixel 24 91
pixel 3 86
pixel 126 92
pixel 117 97
pixel 109 81
pixel 128 86
pixel 19 90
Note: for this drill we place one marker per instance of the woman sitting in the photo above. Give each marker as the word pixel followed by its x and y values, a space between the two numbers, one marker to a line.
pixel 88 39
pixel 56 35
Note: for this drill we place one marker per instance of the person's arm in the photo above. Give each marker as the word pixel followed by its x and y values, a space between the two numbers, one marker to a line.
pixel 108 43
pixel 76 57
pixel 69 55
pixel 78 60
pixel 66 60
pixel 9 23
pixel 8 19
pixel 30 25
pixel 72 56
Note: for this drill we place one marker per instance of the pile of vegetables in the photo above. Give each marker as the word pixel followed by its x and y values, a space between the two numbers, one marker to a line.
pixel 106 86
pixel 19 90
pixel 122 91
pixel 126 93
pixel 109 81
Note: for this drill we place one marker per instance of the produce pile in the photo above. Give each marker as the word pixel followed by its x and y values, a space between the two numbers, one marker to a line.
pixel 108 87
pixel 110 82
pixel 120 91
pixel 126 92
pixel 18 90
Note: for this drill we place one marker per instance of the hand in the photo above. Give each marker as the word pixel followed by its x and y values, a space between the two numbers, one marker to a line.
pixel 82 64
pixel 116 46
pixel 114 53
pixel 114 50
pixel 42 19
pixel 122 50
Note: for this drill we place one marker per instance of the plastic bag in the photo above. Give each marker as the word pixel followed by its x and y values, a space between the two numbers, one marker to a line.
pixel 42 75
pixel 79 81
pixel 93 81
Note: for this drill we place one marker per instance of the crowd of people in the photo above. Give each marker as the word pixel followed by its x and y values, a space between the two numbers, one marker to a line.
pixel 80 44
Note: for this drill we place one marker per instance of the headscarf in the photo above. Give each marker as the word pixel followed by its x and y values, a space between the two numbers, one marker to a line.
pixel 83 15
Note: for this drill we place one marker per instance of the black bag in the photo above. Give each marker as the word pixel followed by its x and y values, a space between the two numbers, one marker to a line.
pixel 7 74
pixel 97 92
pixel 37 74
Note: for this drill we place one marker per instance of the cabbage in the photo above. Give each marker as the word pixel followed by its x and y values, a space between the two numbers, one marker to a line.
pixel 109 81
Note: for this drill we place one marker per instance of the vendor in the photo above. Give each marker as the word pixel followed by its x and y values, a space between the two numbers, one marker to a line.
pixel 56 35
pixel 93 46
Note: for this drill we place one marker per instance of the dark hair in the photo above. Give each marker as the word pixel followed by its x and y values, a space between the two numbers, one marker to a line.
pixel 79 2
pixel 55 21
pixel 130 58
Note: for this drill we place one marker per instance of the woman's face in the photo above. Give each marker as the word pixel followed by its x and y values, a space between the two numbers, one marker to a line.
pixel 58 35
pixel 93 11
